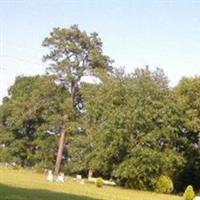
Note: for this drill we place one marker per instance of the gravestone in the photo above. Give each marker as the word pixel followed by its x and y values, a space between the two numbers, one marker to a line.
pixel 78 178
pixel 50 176
pixel 90 174
pixel 61 178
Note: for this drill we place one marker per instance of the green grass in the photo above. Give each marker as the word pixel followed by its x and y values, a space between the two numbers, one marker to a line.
pixel 28 185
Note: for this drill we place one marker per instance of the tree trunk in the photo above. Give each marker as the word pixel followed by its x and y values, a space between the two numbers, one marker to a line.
pixel 60 152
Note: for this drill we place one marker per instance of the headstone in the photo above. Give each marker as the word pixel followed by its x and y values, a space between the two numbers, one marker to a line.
pixel 6 164
pixel 78 178
pixel 90 174
pixel 109 182
pixel 92 179
pixel 61 178
pixel 50 176
pixel 82 182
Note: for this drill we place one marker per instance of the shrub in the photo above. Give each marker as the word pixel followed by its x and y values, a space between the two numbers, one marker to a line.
pixel 189 193
pixel 99 182
pixel 164 185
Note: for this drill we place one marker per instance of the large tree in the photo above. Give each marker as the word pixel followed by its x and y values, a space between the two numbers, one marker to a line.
pixel 30 121
pixel 188 101
pixel 72 54
pixel 132 129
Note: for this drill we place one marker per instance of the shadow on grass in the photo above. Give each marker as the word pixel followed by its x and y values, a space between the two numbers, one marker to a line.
pixel 14 193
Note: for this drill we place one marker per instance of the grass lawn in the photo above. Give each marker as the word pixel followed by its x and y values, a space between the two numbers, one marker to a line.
pixel 28 185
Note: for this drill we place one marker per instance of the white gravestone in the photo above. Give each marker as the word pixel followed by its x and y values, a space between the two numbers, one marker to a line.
pixel 50 176
pixel 82 182
pixel 90 173
pixel 61 178
pixel 78 178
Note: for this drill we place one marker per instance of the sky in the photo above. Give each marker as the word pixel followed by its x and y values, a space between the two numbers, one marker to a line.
pixel 135 33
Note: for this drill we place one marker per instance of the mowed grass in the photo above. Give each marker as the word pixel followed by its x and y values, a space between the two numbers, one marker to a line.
pixel 28 185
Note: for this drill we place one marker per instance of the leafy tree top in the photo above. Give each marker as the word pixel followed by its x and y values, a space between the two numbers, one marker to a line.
pixel 73 54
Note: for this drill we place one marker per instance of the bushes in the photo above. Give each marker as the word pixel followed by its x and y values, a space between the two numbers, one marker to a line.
pixel 164 185
pixel 99 182
pixel 189 193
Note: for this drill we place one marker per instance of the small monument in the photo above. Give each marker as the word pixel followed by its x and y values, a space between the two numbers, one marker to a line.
pixel 78 178
pixel 90 176
pixel 50 176
pixel 61 178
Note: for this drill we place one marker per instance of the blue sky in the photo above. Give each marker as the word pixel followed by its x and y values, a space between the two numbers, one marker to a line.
pixel 160 33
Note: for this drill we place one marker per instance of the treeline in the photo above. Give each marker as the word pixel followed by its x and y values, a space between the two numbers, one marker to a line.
pixel 132 128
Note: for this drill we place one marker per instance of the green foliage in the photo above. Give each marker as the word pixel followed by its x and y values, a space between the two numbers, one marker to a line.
pixel 164 185
pixel 33 109
pixel 99 182
pixel 189 193
pixel 188 103
pixel 131 126
pixel 73 53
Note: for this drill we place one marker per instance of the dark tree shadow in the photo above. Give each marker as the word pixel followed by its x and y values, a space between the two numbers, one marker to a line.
pixel 14 193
